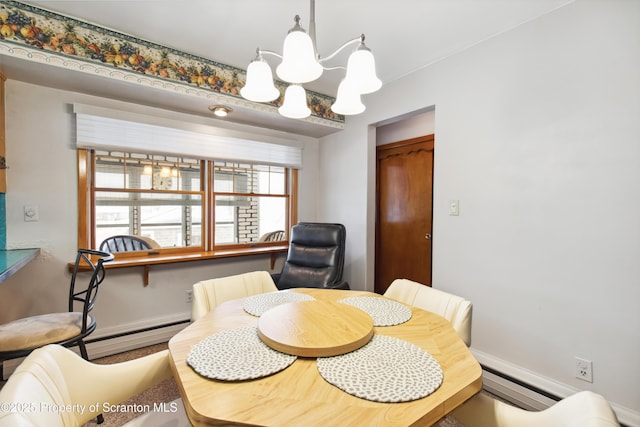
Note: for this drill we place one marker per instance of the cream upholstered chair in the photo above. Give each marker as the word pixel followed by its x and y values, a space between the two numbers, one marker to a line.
pixel 53 378
pixel 207 294
pixel 583 409
pixel 455 309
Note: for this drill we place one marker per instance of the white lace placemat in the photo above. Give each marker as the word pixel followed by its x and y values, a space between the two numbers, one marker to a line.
pixel 383 311
pixel 386 369
pixel 235 355
pixel 258 304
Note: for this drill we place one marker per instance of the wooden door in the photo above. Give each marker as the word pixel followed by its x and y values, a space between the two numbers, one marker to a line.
pixel 404 211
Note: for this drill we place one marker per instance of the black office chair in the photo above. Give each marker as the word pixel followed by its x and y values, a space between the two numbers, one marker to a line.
pixel 127 243
pixel 20 337
pixel 315 258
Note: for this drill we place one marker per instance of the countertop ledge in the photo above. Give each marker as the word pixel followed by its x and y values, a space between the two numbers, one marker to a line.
pixel 12 260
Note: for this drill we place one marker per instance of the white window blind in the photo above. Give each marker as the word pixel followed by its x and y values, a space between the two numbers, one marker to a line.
pixel 98 128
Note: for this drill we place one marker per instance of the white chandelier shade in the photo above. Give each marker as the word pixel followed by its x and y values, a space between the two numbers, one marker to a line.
pixel 259 86
pixel 361 71
pixel 348 101
pixel 301 63
pixel 295 103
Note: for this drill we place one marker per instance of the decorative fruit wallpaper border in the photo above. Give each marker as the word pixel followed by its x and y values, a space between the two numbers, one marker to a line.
pixel 36 28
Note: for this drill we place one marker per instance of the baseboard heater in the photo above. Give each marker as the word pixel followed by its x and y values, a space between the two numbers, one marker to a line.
pixel 115 343
pixel 517 392
pixel 516 382
pixel 119 342
pixel 138 331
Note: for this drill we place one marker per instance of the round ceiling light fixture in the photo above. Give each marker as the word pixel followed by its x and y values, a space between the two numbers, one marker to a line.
pixel 220 110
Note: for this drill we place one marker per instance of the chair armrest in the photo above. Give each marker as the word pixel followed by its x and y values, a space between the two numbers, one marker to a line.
pixel 341 284
pixel 276 277
pixel 112 384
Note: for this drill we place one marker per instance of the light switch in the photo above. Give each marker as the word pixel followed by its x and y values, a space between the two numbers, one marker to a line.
pixel 454 207
pixel 31 213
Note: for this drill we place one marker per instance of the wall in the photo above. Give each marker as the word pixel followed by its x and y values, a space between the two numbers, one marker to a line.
pixel 537 136
pixel 403 128
pixel 43 172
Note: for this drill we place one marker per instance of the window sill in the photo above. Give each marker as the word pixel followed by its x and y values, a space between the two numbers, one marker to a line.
pixel 146 261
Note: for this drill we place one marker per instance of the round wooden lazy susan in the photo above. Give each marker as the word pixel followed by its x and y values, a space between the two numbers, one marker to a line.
pixel 315 328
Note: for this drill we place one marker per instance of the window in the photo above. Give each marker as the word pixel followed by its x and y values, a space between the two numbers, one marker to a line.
pixel 172 201
pixel 160 198
pixel 250 202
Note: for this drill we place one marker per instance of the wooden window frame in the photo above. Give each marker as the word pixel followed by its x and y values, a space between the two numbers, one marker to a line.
pixel 86 225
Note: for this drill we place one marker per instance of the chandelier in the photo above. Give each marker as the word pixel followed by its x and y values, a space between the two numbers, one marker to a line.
pixel 301 63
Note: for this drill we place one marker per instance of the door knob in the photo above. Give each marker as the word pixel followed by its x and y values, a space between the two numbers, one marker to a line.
pixel 427 236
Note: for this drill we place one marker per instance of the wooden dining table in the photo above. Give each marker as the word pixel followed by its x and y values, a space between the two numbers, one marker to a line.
pixel 299 396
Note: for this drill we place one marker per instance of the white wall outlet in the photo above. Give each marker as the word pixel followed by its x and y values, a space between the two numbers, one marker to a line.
pixel 584 369
pixel 188 296
pixel 31 213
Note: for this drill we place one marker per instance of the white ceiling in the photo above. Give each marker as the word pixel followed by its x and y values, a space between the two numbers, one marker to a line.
pixel 404 35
